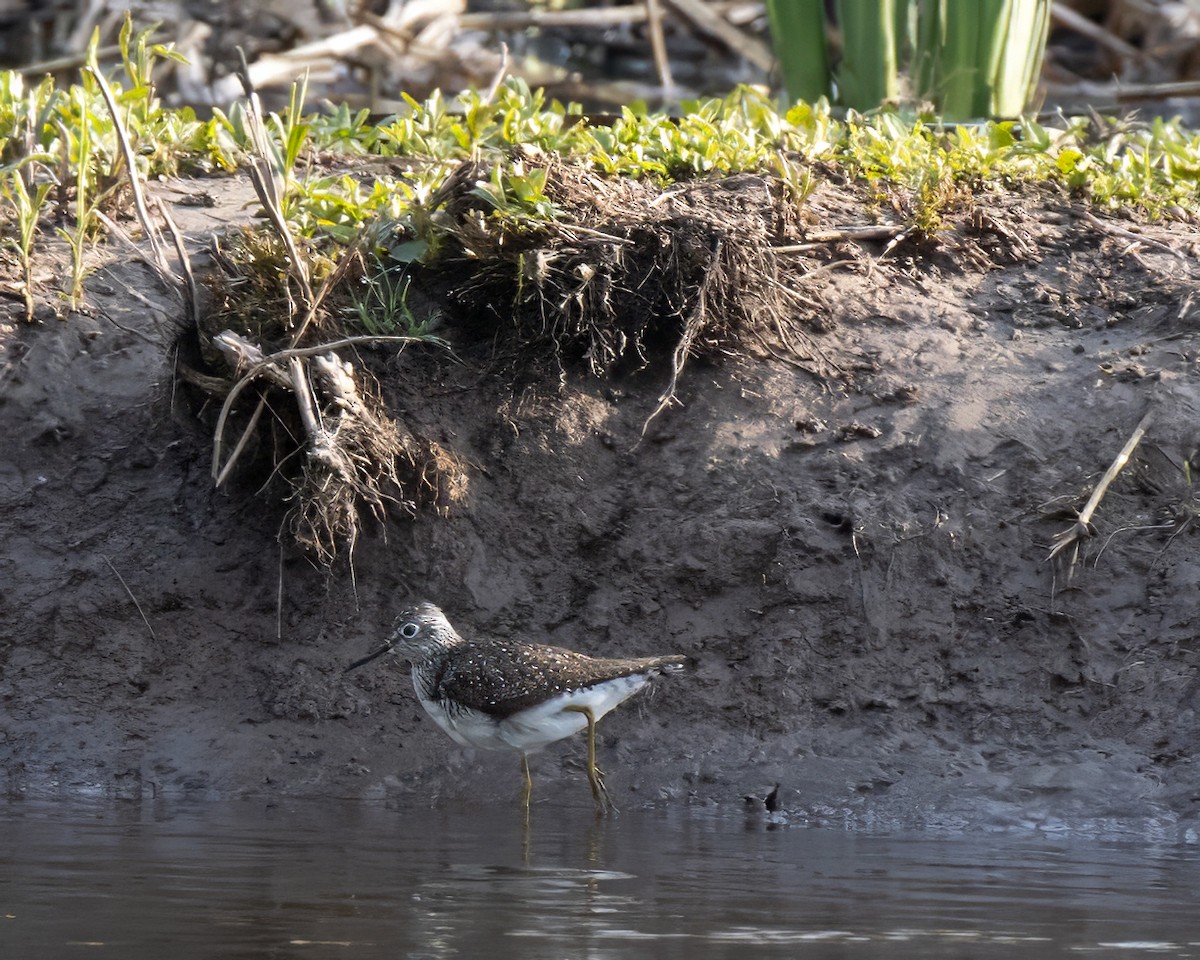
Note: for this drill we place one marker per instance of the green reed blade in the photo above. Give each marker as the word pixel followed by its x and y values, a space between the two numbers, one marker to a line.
pixel 798 29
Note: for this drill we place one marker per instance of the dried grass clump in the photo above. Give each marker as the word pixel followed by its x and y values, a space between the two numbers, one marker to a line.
pixel 344 456
pixel 354 458
pixel 627 272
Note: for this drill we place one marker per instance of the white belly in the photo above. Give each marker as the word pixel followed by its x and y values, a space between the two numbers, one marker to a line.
pixel 535 727
pixel 468 728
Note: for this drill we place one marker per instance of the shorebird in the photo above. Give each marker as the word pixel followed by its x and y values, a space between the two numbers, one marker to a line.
pixel 511 694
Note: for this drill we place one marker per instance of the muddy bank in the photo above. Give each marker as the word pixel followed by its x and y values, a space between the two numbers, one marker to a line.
pixel 856 562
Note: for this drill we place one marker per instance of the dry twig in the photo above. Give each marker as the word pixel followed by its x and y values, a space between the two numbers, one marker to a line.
pixel 1064 16
pixel 708 21
pixel 152 232
pixel 140 611
pixel 1081 529
pixel 1134 238
pixel 815 239
pixel 658 46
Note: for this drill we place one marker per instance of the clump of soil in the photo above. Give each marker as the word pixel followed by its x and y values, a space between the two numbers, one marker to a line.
pixel 627 269
pixel 852 549
pixel 623 276
pixel 270 340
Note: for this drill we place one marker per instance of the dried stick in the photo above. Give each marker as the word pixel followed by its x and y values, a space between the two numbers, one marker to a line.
pixel 135 184
pixel 1081 528
pixel 140 611
pixel 67 61
pixel 705 19
pixel 244 439
pixel 817 238
pixel 597 17
pixel 1064 16
pixel 1136 238
pixel 658 45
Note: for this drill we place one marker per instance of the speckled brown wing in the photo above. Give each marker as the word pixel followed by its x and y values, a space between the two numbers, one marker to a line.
pixel 501 677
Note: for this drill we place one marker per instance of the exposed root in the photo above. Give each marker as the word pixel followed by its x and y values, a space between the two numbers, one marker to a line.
pixel 627 270
pixel 695 323
pixel 622 275
pixel 356 457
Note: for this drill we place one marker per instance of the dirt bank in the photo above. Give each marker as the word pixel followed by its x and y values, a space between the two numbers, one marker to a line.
pixel 856 562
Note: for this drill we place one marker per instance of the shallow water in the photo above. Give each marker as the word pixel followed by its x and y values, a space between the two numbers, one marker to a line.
pixel 248 880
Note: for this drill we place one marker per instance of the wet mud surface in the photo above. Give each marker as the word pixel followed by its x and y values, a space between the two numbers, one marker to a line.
pixel 856 562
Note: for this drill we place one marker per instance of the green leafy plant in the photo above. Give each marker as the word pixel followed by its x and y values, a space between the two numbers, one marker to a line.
pixel 79 160
pixel 26 199
pixel 381 304
pixel 517 195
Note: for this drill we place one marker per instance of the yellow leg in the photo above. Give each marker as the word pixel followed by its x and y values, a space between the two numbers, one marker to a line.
pixel 595 777
pixel 527 792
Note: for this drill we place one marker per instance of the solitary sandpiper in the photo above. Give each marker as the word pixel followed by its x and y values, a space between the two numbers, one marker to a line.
pixel 513 695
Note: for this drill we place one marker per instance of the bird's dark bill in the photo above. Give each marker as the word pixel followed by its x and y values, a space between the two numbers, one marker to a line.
pixel 386 648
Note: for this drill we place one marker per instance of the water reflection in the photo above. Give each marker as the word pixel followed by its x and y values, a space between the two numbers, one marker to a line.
pixel 314 880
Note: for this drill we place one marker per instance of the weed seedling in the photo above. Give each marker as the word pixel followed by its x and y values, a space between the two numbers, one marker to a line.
pixel 26 201
pixel 382 308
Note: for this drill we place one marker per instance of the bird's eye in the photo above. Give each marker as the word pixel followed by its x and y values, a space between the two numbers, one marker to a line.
pixel 409 630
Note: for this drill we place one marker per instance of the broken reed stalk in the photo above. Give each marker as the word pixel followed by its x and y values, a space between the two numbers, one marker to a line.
pixel 170 280
pixel 153 235
pixel 268 185
pixel 1081 528
pixel 658 45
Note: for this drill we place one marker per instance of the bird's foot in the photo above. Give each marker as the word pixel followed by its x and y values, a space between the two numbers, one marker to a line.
pixel 604 802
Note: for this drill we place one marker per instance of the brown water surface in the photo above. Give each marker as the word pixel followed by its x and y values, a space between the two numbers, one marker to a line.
pixel 248 880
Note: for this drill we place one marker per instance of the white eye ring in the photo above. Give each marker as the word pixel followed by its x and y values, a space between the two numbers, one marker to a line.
pixel 409 630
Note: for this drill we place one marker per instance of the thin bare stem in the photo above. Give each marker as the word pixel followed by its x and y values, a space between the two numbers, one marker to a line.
pixel 1081 528
pixel 135 185
pixel 501 71
pixel 658 45
pixel 140 611
pixel 185 263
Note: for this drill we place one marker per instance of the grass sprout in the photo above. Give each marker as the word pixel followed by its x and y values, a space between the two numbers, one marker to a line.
pixel 381 305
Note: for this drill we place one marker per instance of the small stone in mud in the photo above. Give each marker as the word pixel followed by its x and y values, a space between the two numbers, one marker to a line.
pixel 810 424
pixel 772 801
pixel 1133 372
pixel 905 393
pixel 858 431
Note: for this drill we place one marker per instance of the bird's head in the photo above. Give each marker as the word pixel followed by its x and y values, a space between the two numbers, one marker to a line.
pixel 419 632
